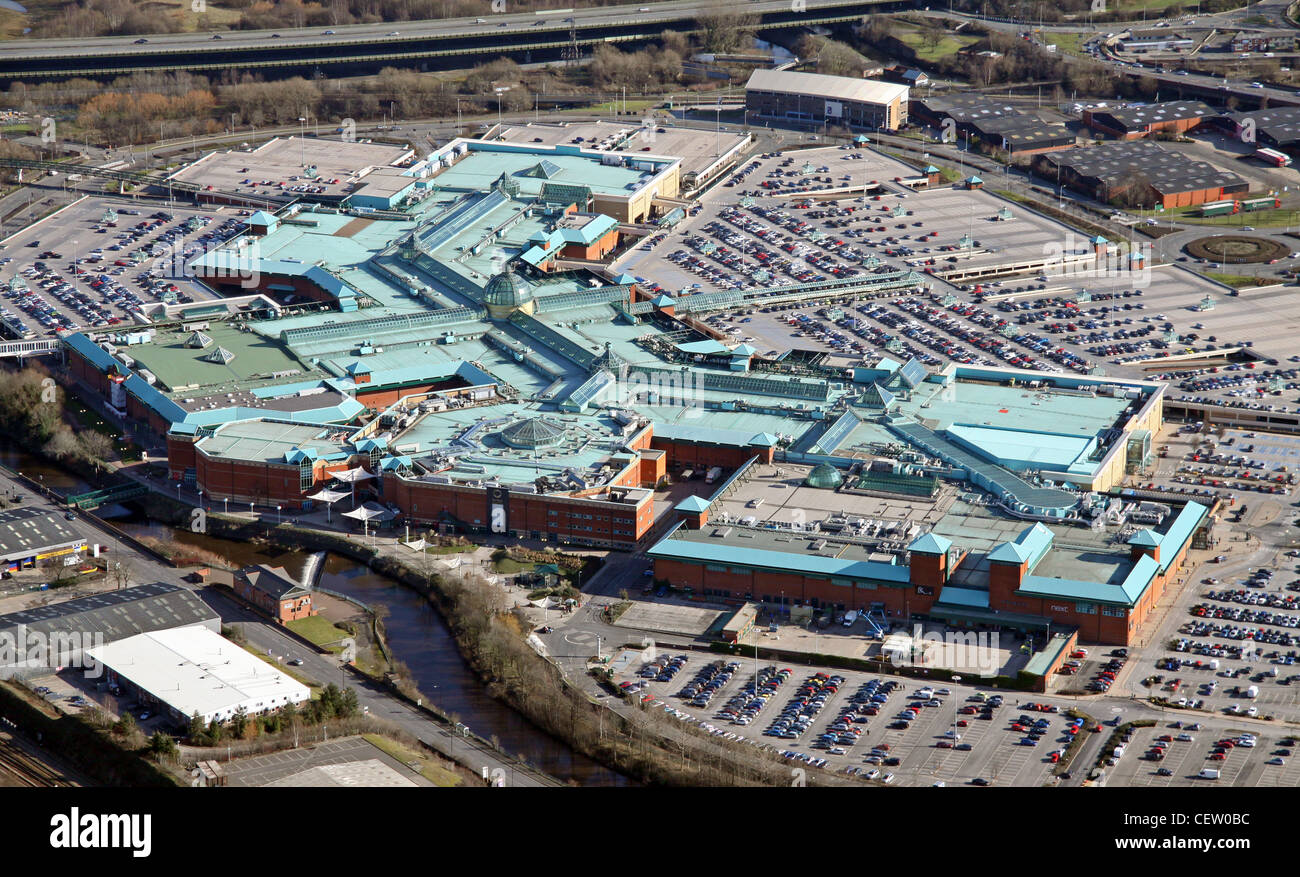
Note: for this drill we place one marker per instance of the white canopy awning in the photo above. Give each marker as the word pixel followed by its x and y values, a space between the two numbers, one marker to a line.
pixel 352 476
pixel 329 496
pixel 369 511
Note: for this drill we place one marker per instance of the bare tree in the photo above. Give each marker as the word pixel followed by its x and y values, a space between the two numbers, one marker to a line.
pixel 727 27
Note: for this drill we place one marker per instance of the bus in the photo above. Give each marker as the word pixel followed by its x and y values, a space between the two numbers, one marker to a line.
pixel 1273 157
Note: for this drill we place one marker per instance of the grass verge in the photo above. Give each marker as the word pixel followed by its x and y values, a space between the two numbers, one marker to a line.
pixel 429 769
pixel 319 630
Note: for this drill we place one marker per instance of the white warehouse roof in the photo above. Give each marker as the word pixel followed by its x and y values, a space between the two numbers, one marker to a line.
pixel 194 670
pixel 848 88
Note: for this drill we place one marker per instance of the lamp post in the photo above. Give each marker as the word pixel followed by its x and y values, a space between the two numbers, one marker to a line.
pixel 302 140
pixel 277 516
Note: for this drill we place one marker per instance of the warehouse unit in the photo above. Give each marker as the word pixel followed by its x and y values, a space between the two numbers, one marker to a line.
pixel 192 671
pixel 1133 123
pixel 833 100
pixel 1139 173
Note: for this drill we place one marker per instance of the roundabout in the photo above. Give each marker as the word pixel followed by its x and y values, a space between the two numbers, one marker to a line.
pixel 1235 249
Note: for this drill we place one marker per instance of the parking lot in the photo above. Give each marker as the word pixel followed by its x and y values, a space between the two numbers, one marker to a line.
pixel 1256 757
pixel 105 262
pixel 758 230
pixel 850 721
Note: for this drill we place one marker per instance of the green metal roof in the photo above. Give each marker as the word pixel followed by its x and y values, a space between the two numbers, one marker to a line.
pixel 1145 538
pixel 1180 532
pixel 1044 658
pixel 1029 547
pixel 755 558
pixel 931 543
pixel 967 597
pixel 693 504
pixel 1126 593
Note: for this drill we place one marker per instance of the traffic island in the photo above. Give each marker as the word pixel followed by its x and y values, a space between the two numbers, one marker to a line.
pixel 1235 249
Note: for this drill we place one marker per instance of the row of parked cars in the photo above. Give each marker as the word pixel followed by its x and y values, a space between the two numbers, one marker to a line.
pixel 803 707
pixel 745 705
pixel 663 669
pixel 708 682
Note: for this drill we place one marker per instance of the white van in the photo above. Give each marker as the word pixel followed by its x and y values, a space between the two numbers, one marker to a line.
pixel 1208 773
pixel 850 617
pixel 1252 691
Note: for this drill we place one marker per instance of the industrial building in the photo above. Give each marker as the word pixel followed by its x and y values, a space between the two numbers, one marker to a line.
pixel 1021 135
pixel 1133 123
pixel 833 100
pixel 1278 127
pixel 1145 42
pixel 70 627
pixel 193 671
pixel 1140 173
pixel 31 536
pixel 963 109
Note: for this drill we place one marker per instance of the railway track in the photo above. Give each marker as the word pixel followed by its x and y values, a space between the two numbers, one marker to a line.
pixel 20 768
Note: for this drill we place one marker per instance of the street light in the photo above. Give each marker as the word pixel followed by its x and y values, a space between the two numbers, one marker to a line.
pixel 302 140
pixel 277 516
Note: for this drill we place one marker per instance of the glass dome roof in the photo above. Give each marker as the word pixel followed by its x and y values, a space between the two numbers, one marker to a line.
pixel 507 290
pixel 825 476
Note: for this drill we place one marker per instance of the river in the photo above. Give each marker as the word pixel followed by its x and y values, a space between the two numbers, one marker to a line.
pixel 419 638
pixel 415 632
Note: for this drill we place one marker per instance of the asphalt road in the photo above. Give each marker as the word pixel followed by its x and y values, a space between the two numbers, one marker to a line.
pixel 651 14
pixel 145 568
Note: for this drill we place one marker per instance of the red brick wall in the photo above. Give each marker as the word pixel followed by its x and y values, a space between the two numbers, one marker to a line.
pixel 1004 579
pixel 249 481
pixel 928 569
pixel 180 454
pixel 682 455
pixel 384 398
pixel 795 587
pixel 424 502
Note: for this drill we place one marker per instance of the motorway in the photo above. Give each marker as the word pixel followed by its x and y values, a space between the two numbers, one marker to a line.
pixel 394 39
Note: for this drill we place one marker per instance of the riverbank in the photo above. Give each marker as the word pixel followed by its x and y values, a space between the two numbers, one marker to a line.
pixel 491 638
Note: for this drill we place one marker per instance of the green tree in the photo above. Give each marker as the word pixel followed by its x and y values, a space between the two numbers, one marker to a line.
pixel 239 723
pixel 163 746
pixel 125 725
